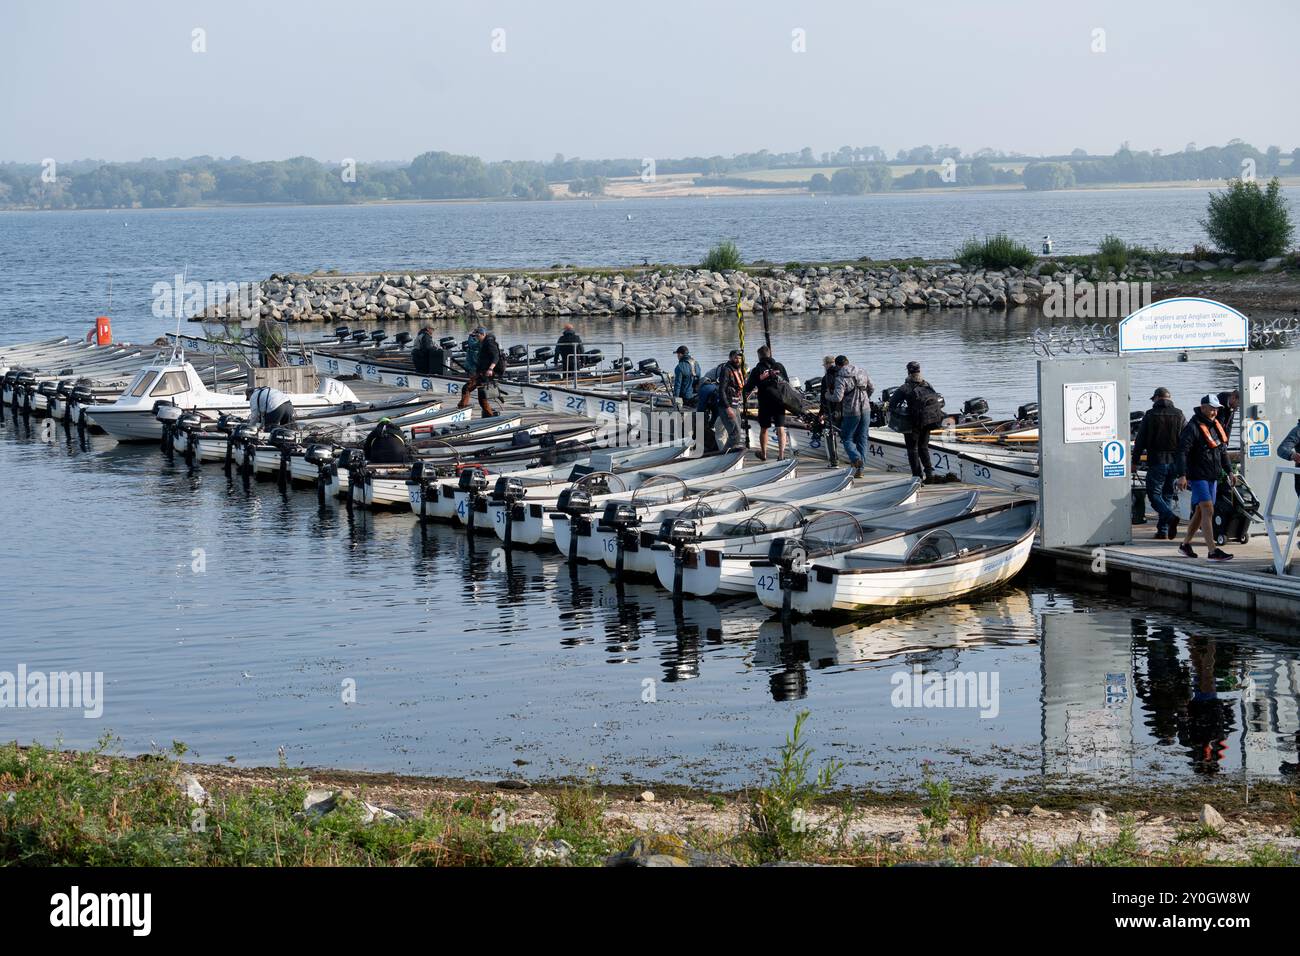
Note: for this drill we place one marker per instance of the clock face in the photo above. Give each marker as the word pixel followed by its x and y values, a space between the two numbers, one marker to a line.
pixel 1090 408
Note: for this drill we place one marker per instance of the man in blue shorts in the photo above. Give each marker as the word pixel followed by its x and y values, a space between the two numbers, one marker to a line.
pixel 1202 458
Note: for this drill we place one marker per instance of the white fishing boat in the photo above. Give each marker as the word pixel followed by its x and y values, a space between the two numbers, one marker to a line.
pixel 712 557
pixel 844 566
pixel 578 517
pixel 174 381
pixel 530 521
pixel 623 536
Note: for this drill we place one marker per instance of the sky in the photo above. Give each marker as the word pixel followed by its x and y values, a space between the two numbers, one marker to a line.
pixel 389 79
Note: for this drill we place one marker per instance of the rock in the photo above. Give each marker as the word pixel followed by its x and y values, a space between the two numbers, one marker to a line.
pixel 318 803
pixel 1206 266
pixel 557 850
pixel 1270 265
pixel 513 785
pixel 1246 265
pixel 988 861
pixel 1037 811
pixel 190 786
pixel 1097 819
pixel 1211 817
pixel 665 849
pixel 646 796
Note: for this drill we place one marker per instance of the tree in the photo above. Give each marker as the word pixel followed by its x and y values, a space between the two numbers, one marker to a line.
pixel 819 183
pixel 1040 176
pixel 1249 222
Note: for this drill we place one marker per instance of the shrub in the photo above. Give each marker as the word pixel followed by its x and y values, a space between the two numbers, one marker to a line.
pixel 994 252
pixel 1112 253
pixel 723 257
pixel 1249 222
pixel 779 814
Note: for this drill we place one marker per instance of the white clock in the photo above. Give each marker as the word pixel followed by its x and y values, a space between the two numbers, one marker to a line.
pixel 1090 407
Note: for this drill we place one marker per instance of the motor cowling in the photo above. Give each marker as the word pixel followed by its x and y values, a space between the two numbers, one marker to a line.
pixel 82 395
pixel 166 412
pixel 521 439
pixel 509 489
pixel 679 530
pixel 648 366
pixel 544 354
pixel 283 436
pixel 190 420
pixel 619 514
pixel 1028 411
pixel 621 364
pixel 47 389
pixel 517 353
pixel 574 501
pixel 246 432
pixel 472 479
pixel 975 407
pixel 787 553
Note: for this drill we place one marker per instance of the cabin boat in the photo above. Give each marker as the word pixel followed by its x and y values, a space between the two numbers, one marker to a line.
pixel 174 381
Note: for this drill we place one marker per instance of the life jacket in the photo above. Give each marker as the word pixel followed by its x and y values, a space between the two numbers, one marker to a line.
pixel 1209 439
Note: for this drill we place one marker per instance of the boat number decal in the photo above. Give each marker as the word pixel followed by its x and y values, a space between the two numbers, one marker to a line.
pixel 426 384
pixel 576 403
pixel 940 460
pixel 609 546
pixel 501 516
pixel 331 365
pixel 981 471
pixel 876 451
pixel 767 582
pixel 400 381
pixel 460 509
pixel 452 388
pixel 356 369
pixel 610 407
pixel 543 397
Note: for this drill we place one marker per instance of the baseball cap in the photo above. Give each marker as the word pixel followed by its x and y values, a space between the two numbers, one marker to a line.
pixel 1210 400
pixel 734 353
pixel 913 368
pixel 479 331
pixel 682 350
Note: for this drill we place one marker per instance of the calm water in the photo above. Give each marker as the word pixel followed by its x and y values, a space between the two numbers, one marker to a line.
pixel 463 666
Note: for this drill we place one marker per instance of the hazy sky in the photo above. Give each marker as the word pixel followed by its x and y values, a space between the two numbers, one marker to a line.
pixel 387 79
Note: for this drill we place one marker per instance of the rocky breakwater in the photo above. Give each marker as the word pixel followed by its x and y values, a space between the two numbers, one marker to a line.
pixel 411 297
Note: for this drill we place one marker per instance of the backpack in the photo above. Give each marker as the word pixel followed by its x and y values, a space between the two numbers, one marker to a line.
pixel 926 406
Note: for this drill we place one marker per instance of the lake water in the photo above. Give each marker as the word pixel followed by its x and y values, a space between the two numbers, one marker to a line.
pixel 465 667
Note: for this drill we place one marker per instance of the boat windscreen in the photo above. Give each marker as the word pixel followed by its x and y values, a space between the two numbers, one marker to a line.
pixel 830 531
pixel 142 382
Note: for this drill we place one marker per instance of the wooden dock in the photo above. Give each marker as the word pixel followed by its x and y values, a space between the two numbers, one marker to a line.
pixel 1247 582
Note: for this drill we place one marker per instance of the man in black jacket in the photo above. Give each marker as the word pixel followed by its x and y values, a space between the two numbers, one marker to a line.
pixel 766 378
pixel 485 370
pixel 1203 457
pixel 568 348
pixel 1157 437
pixel 1231 401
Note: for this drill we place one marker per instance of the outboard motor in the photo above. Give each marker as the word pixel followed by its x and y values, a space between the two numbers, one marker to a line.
pixel 378 336
pixel 974 408
pixel 353 461
pixel 878 417
pixel 187 425
pixel 22 385
pixel 517 353
pixel 790 557
pixel 621 364
pixel 401 338
pixel 342 333
pixel 648 366
pixel 510 491
pixel 592 356
pixel 521 439
pixel 544 354
pixel 1028 412
pixel 621 517
pixel 359 336
pixel 447 341
pixel 472 481
pixel 167 413
pixel 678 533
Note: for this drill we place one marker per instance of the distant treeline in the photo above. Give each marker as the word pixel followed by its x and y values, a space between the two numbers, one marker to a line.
pixel 152 183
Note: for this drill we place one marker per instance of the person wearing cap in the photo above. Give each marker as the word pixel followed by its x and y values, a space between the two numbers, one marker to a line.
pixel 422 352
pixel 1231 401
pixel 1202 459
pixel 1157 438
pixel 486 359
pixel 686 376
pixel 731 391
pixel 924 411
pixel 386 444
pixel 568 348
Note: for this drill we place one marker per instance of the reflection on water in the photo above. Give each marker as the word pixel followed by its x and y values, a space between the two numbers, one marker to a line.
pixel 467 659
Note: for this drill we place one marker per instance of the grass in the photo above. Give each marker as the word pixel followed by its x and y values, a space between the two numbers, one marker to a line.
pixel 723 257
pixel 1112 253
pixel 99 809
pixel 998 251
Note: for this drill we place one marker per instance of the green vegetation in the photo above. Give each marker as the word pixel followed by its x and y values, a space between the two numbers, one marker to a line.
pixel 723 257
pixel 938 803
pixel 1249 222
pixel 998 251
pixel 856 180
pixel 1112 253
pixel 779 818
pixel 1040 176
pixel 591 186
